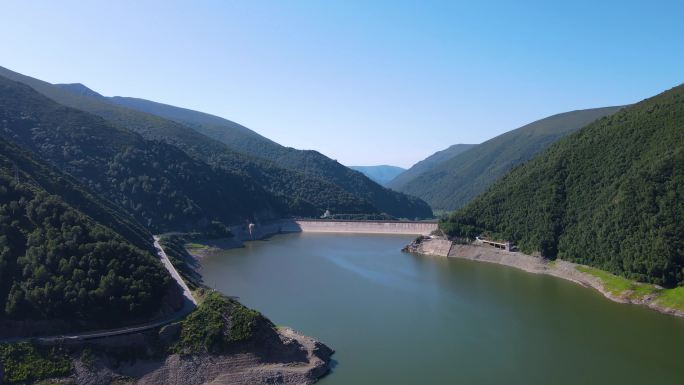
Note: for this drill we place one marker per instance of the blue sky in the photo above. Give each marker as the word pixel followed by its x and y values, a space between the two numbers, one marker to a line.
pixel 364 82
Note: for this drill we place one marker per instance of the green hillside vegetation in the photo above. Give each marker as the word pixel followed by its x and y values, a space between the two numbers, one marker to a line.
pixel 218 323
pixel 307 183
pixel 610 196
pixel 427 164
pixel 67 188
pixel 379 174
pixel 453 183
pixel 57 263
pixel 158 184
pixel 25 363
pixel 311 163
pixel 234 135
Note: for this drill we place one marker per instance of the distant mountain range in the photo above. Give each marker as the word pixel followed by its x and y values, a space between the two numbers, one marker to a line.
pixel 609 195
pixel 426 165
pixel 303 182
pixel 453 182
pixel 382 174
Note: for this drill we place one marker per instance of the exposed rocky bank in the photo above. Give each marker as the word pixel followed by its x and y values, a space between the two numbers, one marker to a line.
pixel 532 264
pixel 290 359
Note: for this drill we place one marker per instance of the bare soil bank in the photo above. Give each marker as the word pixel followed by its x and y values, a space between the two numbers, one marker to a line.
pixel 533 264
pixel 293 359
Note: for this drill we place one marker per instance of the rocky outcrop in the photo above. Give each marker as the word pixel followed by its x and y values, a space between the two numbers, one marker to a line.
pixel 429 246
pixel 292 359
pixel 300 360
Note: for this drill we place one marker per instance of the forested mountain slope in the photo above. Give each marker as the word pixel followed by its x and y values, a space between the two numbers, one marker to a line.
pixel 610 196
pixel 60 263
pixel 453 183
pixel 302 194
pixel 158 184
pixel 316 184
pixel 311 163
pixel 236 136
pixel 427 164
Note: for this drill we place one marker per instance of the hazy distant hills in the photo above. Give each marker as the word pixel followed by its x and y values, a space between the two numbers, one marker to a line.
pixel 610 195
pixel 426 165
pixel 454 182
pixel 305 181
pixel 381 174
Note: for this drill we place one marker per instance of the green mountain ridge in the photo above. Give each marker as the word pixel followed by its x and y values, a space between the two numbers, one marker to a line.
pixel 427 164
pixel 610 196
pixel 381 174
pixel 68 264
pixel 454 182
pixel 301 193
pixel 156 183
pixel 312 163
pixel 234 135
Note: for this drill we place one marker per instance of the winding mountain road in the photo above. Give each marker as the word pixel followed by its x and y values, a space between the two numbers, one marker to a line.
pixel 174 273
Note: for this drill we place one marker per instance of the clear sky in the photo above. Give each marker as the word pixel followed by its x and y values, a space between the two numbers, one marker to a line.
pixel 364 82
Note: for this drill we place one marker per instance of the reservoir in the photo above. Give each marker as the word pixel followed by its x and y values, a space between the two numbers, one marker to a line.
pixel 396 318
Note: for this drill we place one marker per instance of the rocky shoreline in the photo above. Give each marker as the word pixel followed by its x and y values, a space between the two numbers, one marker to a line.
pixel 292 359
pixel 532 264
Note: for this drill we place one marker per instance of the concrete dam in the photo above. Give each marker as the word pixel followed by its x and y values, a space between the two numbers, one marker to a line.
pixel 263 230
pixel 367 227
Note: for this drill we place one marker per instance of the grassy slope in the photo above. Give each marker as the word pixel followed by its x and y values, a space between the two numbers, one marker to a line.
pixel 453 183
pixel 625 288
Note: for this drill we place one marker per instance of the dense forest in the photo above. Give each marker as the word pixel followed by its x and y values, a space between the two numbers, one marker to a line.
pixel 311 163
pixel 56 262
pixel 306 182
pixel 609 196
pixel 158 184
pixel 454 182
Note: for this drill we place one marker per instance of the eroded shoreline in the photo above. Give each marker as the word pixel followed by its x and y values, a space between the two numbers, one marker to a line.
pixel 537 265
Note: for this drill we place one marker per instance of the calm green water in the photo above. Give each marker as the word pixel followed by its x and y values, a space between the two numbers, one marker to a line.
pixel 395 318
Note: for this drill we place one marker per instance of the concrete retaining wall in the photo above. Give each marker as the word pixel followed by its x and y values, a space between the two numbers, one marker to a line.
pixel 368 227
